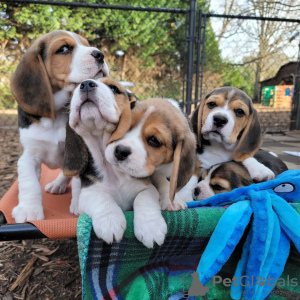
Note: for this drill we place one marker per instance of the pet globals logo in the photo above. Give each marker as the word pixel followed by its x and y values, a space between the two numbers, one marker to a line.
pixel 192 285
pixel 252 281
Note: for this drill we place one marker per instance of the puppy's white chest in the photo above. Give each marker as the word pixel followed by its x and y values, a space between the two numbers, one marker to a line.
pixel 214 155
pixel 53 131
pixel 124 189
pixel 46 140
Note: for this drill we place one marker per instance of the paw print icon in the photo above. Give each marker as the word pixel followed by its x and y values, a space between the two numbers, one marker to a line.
pixel 261 281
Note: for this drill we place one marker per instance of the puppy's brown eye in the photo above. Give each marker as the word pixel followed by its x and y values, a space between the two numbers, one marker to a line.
pixel 114 89
pixel 65 49
pixel 217 187
pixel 239 113
pixel 153 142
pixel 211 105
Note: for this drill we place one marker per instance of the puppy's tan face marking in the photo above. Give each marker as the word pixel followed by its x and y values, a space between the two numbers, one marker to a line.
pixel 222 178
pixel 158 127
pixel 157 138
pixel 241 117
pixel 58 57
pixel 220 185
pixel 151 135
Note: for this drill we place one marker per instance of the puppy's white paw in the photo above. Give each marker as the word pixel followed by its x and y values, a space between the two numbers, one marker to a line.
pixel 28 212
pixel 177 204
pixel 164 201
pixel 55 187
pixel 149 230
pixel 260 174
pixel 74 208
pixel 110 227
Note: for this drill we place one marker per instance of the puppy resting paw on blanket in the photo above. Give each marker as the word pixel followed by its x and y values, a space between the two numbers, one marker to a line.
pixel 158 143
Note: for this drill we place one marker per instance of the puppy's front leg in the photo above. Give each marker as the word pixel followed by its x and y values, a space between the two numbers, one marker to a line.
pixel 149 224
pixel 76 188
pixel 30 192
pixel 59 185
pixel 181 197
pixel 108 219
pixel 258 172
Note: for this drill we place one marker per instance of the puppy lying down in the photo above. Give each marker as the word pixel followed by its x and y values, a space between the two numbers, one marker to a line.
pixel 230 175
pixel 116 178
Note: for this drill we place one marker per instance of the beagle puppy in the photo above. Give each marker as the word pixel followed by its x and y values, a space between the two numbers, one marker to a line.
pixel 159 144
pixel 42 83
pixel 227 176
pixel 227 128
pixel 120 158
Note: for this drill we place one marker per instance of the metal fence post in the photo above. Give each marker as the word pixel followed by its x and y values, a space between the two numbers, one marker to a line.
pixel 190 62
pixel 200 57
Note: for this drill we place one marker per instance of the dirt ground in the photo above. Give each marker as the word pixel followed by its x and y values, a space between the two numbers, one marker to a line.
pixel 34 269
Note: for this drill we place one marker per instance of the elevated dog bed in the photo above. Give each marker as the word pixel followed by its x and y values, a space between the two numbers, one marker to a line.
pixel 58 223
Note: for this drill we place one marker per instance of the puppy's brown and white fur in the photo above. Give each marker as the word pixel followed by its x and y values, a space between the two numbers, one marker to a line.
pixel 50 69
pixel 227 128
pixel 160 143
pixel 227 176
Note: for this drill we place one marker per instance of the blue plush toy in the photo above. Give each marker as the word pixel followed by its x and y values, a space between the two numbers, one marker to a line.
pixel 273 225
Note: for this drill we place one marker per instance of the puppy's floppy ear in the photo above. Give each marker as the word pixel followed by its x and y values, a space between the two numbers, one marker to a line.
pixel 196 119
pixel 251 139
pixel 30 84
pixel 183 163
pixel 125 118
pixel 76 153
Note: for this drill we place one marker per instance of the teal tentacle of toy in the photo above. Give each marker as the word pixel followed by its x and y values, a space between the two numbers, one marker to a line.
pixel 273 225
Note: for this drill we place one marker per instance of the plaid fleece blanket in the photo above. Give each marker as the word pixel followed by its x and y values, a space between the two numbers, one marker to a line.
pixel 129 270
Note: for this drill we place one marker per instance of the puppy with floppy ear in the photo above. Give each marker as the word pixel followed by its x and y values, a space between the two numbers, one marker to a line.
pixel 227 128
pixel 41 85
pixel 158 145
pixel 227 176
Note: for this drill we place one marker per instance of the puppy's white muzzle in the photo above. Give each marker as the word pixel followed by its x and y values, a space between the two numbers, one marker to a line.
pixel 93 105
pixel 129 159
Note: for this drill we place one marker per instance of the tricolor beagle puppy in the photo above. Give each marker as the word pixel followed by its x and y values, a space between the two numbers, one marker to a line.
pixel 42 83
pixel 160 144
pixel 227 176
pixel 227 128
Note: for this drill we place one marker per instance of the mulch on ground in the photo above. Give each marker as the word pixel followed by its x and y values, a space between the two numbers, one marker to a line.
pixel 34 269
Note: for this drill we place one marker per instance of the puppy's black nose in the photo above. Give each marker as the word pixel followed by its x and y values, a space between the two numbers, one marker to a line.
pixel 122 152
pixel 99 56
pixel 87 86
pixel 197 191
pixel 220 121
